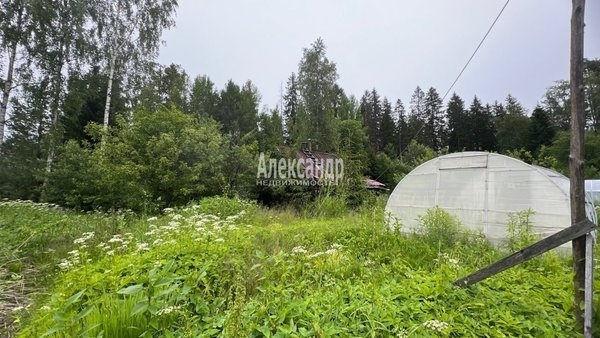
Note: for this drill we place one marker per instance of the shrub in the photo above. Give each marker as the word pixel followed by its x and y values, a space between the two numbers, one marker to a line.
pixel 441 229
pixel 519 231
pixel 224 206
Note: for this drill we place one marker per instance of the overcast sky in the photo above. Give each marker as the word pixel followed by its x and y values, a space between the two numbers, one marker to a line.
pixel 390 45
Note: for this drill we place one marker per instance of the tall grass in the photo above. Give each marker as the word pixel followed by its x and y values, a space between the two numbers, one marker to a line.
pixel 244 271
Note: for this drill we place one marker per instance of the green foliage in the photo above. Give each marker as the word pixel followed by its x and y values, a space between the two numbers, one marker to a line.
pixel 156 159
pixel 560 150
pixel 544 158
pixel 441 229
pixel 519 231
pixel 189 273
pixel 317 76
pixel 224 207
pixel 328 205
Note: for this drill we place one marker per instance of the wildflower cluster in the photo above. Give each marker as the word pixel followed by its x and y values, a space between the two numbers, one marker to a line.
pixel 30 204
pixel 188 221
pixel 167 310
pixel 300 250
pixel 73 260
pixel 445 258
pixel 177 222
pixel 86 236
pixel 436 325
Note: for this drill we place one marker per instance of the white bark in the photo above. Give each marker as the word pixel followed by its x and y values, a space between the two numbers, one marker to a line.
pixel 111 75
pixel 7 88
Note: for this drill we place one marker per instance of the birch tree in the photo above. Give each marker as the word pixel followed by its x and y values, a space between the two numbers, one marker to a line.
pixel 12 35
pixel 127 33
pixel 57 46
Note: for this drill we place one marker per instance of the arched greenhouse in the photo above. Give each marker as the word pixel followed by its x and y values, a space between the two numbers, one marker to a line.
pixel 482 190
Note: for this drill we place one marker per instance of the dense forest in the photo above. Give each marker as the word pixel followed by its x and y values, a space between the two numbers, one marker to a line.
pixel 90 120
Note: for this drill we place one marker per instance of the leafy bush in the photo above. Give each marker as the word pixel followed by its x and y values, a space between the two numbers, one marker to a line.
pixel 519 231
pixel 223 206
pixel 441 229
pixel 156 159
pixel 328 205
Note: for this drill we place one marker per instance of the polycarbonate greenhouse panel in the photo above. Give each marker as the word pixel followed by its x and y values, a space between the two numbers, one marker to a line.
pixel 483 190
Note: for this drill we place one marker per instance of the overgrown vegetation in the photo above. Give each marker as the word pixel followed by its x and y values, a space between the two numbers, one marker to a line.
pixel 227 267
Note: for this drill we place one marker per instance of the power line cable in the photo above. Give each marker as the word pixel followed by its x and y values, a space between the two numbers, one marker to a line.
pixel 468 62
pixel 461 72
pixel 476 49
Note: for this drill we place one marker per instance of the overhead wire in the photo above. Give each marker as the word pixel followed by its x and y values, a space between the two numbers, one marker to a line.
pixel 460 73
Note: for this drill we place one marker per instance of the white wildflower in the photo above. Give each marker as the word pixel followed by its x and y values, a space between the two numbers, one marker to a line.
pixel 316 254
pixel 152 219
pixel 219 240
pixel 167 310
pixel 436 325
pixel 45 308
pixel 177 217
pixel 336 246
pixel 330 251
pixel 299 250
pixel 64 264
pixel 167 210
pixel 142 247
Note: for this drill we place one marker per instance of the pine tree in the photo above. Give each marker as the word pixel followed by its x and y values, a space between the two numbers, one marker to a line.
pixel 512 126
pixel 403 136
pixel 483 133
pixel 417 120
pixel 540 130
pixel 435 126
pixel 459 126
pixel 290 109
pixel 387 129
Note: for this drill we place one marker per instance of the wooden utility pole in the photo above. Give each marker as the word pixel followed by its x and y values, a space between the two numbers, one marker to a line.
pixel 576 157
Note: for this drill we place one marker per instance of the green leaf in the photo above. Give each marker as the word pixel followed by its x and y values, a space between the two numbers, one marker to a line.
pixel 49 332
pixel 139 308
pixel 89 328
pixel 163 281
pixel 83 313
pixel 74 298
pixel 167 291
pixel 131 290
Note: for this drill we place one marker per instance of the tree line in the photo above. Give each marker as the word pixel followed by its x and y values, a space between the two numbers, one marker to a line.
pixel 93 121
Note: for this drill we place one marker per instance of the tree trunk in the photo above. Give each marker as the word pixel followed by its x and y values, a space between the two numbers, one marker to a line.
pixel 111 75
pixel 12 57
pixel 576 157
pixel 54 111
pixel 7 89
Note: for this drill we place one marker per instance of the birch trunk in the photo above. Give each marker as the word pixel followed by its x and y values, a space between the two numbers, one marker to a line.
pixel 7 89
pixel 111 75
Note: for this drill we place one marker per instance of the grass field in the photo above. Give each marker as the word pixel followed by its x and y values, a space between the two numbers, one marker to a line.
pixel 225 267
